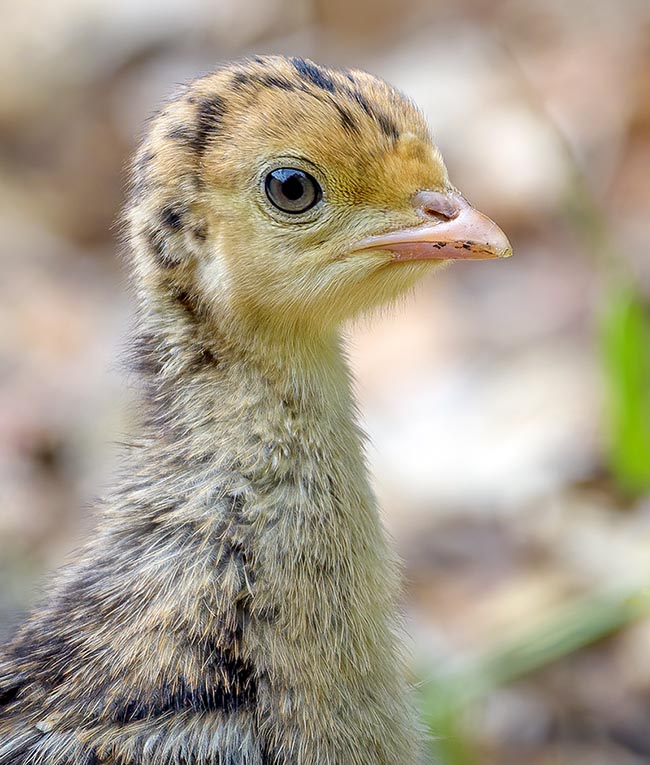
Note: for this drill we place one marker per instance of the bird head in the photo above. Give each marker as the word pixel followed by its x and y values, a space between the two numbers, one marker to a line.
pixel 278 192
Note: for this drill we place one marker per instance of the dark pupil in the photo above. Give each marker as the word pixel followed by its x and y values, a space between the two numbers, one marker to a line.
pixel 292 190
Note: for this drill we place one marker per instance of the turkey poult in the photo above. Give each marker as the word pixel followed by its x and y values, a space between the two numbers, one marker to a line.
pixel 237 602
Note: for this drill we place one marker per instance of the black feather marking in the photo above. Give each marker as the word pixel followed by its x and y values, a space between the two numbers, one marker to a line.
pixel 140 180
pixel 172 216
pixel 386 125
pixel 193 312
pixel 314 74
pixel 9 693
pixel 271 81
pixel 209 117
pixel 200 232
pixel 186 301
pixel 240 79
pixel 244 79
pixel 363 103
pixel 183 135
pixel 347 120
pixel 145 356
pixel 205 356
pixel 227 683
pixel 158 247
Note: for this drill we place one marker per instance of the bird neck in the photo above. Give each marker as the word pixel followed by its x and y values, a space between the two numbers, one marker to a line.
pixel 250 500
pixel 257 436
pixel 189 359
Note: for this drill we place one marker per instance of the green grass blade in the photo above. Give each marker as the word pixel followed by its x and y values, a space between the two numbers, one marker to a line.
pixel 626 349
pixel 447 696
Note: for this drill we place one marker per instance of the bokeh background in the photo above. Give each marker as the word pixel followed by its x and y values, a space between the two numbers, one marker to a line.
pixel 508 403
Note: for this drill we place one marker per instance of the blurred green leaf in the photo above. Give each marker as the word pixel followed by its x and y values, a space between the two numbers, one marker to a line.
pixel 626 349
pixel 452 745
pixel 449 694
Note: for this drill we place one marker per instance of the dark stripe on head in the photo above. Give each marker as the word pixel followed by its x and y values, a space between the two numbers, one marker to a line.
pixel 347 120
pixel 386 125
pixel 240 79
pixel 363 103
pixel 200 231
pixel 313 74
pixel 158 247
pixel 271 81
pixel 182 134
pixel 140 176
pixel 244 79
pixel 209 118
pixel 172 216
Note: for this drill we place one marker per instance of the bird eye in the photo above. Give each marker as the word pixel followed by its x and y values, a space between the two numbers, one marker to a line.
pixel 292 190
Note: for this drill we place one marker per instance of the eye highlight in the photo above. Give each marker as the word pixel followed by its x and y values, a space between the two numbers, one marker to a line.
pixel 292 190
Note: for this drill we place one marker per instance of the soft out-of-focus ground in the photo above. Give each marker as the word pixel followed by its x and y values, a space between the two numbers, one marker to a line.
pixel 483 395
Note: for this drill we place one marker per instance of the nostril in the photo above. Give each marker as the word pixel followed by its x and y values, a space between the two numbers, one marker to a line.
pixel 434 204
pixel 435 212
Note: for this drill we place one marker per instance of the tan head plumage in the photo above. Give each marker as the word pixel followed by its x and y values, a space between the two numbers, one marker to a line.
pixel 199 216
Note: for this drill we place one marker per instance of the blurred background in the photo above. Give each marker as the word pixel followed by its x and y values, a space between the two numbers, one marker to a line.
pixel 508 403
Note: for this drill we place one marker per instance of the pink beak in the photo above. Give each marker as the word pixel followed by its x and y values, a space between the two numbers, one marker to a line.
pixel 453 230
